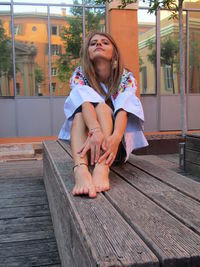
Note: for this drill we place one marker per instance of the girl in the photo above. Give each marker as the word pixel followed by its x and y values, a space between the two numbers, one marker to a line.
pixel 103 114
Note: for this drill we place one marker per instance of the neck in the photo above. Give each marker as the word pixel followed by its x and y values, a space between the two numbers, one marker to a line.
pixel 102 69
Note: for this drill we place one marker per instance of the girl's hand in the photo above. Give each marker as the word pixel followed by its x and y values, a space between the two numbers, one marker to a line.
pixel 94 143
pixel 111 144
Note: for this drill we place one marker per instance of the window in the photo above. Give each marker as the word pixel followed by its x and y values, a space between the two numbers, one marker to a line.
pixel 53 72
pixel 168 78
pixel 34 28
pixel 144 79
pixel 55 50
pixel 17 29
pixel 18 88
pixel 54 30
pixel 53 87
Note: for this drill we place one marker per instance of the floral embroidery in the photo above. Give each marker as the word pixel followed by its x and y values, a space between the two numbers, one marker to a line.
pixel 127 81
pixel 78 78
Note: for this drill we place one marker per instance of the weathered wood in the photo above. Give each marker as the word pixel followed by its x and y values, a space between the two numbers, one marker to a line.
pixel 173 243
pixel 26 230
pixel 192 142
pixel 192 156
pixel 175 180
pixel 21 182
pixel 90 231
pixel 31 211
pixel 182 207
pixel 192 168
pixel 23 201
pixel 21 225
pixel 19 237
pixel 30 247
pixel 19 261
pixel 21 169
pixel 164 234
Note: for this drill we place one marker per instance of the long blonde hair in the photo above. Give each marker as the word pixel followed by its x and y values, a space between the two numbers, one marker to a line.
pixel 89 71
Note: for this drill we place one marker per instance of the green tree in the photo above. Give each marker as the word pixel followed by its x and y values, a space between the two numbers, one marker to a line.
pixel 72 35
pixel 5 56
pixel 194 59
pixel 39 76
pixel 168 54
pixel 176 11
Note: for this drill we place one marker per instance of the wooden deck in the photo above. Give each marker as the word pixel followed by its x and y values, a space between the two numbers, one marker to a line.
pixel 150 217
pixel 26 231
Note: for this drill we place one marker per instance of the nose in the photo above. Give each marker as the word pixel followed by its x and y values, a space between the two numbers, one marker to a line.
pixel 98 43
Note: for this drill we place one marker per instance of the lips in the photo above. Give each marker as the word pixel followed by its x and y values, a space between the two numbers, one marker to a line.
pixel 98 49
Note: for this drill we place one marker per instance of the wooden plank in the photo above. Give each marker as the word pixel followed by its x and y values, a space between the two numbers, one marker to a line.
pixel 192 168
pixel 29 193
pixel 192 143
pixel 20 201
pixel 173 243
pixel 38 180
pixel 31 211
pixel 185 185
pixel 158 228
pixel 182 207
pixel 41 260
pixel 8 189
pixel 192 156
pixel 21 169
pixel 22 225
pixel 30 247
pixel 26 236
pixel 91 231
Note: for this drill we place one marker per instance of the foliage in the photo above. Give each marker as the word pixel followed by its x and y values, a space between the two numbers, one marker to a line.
pixel 39 76
pixel 168 53
pixel 5 54
pixel 72 36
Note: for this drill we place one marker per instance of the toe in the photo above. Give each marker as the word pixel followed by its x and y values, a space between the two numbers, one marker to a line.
pixel 92 192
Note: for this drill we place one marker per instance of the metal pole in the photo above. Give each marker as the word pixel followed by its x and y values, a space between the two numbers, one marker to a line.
pixel 50 87
pixel 13 46
pixel 14 74
pixel 49 47
pixel 83 23
pixel 187 61
pixel 158 69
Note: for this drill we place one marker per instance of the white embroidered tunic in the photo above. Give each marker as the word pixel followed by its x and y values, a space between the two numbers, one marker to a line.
pixel 125 99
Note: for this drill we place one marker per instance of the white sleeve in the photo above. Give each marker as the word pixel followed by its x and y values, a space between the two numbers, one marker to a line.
pixel 127 100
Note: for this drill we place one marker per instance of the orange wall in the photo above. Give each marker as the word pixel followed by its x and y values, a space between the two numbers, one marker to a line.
pixel 123 26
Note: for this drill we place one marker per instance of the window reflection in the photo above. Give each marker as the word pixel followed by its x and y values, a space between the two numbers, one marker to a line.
pixel 6 62
pixel 194 52
pixel 66 41
pixel 169 50
pixel 147 52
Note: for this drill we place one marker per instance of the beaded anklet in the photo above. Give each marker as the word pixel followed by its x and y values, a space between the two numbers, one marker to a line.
pixel 79 164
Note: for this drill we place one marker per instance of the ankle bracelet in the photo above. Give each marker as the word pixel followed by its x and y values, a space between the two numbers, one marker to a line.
pixel 79 164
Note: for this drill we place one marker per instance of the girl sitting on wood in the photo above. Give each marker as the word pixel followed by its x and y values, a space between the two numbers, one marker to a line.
pixel 104 118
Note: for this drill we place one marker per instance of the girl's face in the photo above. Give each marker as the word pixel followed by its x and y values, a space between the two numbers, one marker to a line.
pixel 100 47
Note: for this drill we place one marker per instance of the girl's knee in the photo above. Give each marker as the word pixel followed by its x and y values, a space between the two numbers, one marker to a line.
pixel 103 107
pixel 78 120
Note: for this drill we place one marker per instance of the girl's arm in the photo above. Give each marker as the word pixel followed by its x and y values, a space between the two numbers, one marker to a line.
pixel 95 136
pixel 113 141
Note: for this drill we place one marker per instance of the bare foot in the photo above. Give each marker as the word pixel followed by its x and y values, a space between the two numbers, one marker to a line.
pixel 83 182
pixel 101 177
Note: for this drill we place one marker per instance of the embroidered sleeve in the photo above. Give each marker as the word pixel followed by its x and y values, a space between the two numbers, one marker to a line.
pixel 78 78
pixel 128 82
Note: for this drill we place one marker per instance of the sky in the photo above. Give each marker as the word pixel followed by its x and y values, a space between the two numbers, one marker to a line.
pixel 143 16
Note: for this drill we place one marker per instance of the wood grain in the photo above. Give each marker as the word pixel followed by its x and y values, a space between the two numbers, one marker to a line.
pixel 91 231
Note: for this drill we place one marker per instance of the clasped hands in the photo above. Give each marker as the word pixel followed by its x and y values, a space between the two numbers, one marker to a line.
pixel 101 147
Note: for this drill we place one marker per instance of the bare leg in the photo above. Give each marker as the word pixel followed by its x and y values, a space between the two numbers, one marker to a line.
pixel 83 178
pixel 101 171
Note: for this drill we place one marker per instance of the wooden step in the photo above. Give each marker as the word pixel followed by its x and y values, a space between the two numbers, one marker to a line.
pixel 145 219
